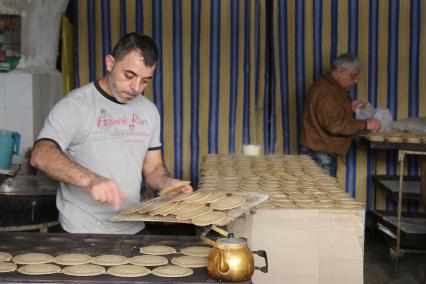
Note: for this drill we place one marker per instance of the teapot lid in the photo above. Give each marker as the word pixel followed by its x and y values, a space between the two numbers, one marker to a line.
pixel 231 241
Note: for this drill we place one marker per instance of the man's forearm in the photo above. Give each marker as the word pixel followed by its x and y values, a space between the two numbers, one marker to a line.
pixel 54 163
pixel 158 178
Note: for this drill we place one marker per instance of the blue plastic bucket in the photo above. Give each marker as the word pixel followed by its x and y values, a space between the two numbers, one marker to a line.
pixel 9 145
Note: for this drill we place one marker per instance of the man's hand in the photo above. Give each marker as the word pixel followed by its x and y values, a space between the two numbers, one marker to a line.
pixel 106 191
pixel 47 157
pixel 187 189
pixel 176 185
pixel 357 104
pixel 373 124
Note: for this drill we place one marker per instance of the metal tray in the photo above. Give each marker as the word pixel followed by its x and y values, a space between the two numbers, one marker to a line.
pixel 29 185
pixel 252 199
pixel 94 244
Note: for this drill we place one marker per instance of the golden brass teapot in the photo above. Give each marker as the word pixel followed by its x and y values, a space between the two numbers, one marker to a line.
pixel 230 259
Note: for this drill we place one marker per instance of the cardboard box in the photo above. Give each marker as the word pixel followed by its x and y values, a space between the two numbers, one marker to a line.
pixel 306 245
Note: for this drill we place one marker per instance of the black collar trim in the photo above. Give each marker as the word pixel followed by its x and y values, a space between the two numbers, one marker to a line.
pixel 105 94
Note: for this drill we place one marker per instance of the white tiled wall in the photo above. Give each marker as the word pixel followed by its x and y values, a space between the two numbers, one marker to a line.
pixel 18 86
pixel 25 98
pixel 2 102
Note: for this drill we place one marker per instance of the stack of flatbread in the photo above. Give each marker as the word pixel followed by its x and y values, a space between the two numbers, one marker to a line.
pixel 396 137
pixel 290 181
pixel 200 208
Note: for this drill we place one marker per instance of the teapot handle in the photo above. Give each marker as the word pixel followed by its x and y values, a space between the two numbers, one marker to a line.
pixel 210 242
pixel 223 263
pixel 263 254
pixel 220 231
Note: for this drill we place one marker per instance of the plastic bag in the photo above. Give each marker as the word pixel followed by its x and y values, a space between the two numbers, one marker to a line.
pixel 366 112
pixel 415 125
pixel 382 114
pixel 385 117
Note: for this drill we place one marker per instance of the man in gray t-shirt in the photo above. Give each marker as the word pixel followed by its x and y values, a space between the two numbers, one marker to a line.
pixel 99 140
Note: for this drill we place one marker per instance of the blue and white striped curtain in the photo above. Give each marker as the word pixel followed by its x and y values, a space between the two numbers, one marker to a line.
pixel 233 72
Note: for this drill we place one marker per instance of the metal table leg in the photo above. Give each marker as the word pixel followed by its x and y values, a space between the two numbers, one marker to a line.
pixel 401 156
pixel 425 276
pixel 395 262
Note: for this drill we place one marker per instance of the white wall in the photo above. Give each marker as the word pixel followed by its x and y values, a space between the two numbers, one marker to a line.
pixel 40 23
pixel 28 93
pixel 25 100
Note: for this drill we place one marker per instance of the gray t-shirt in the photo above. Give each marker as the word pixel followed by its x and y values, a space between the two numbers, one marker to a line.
pixel 110 139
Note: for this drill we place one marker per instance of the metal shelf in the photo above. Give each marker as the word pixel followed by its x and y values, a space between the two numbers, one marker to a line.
pixel 390 186
pixel 398 146
pixel 413 228
pixel 395 225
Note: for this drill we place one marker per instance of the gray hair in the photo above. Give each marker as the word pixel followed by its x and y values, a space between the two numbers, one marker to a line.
pixel 346 61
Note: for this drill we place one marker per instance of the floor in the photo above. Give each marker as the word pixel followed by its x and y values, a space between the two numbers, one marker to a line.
pixel 378 267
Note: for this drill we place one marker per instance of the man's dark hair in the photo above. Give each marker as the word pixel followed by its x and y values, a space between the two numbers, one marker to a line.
pixel 136 42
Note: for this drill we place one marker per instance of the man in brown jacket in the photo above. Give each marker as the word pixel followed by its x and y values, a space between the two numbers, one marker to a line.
pixel 328 118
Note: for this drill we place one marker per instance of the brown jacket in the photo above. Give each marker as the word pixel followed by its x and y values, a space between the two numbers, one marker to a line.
pixel 328 120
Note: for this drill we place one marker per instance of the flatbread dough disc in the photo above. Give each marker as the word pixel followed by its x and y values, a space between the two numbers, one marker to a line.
pixel 7 266
pixel 110 260
pixel 413 139
pixel 325 203
pixel 376 137
pixel 194 213
pixel 196 251
pixel 190 261
pixel 278 198
pixel 188 207
pixel 305 203
pixel 128 270
pixel 172 271
pixel 149 260
pixel 179 196
pixel 283 204
pixel 208 219
pixel 349 204
pixel 266 205
pixel 201 199
pixel 180 206
pixel 84 270
pixel 176 206
pixel 212 198
pixel 72 259
pixel 32 258
pixel 155 205
pixel 196 196
pixel 5 256
pixel 39 269
pixel 157 250
pixel 228 202
pixel 396 138
pixel 137 207
pixel 161 210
